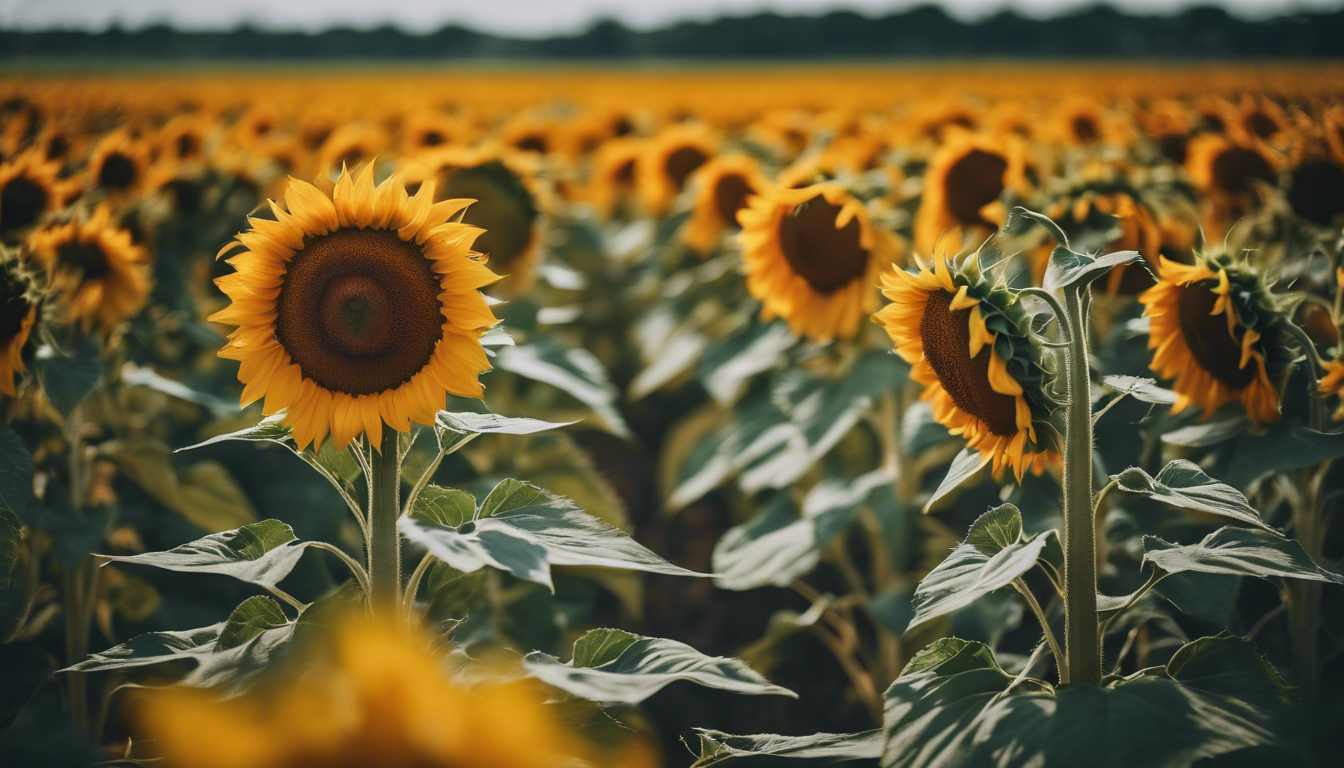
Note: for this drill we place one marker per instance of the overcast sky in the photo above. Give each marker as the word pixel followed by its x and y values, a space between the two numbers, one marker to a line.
pixel 523 18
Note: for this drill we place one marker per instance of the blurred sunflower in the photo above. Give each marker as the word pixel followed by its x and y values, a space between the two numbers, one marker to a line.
pixel 18 313
pixel 350 145
pixel 429 128
pixel 966 342
pixel 613 182
pixel 1167 124
pixel 1332 385
pixel 95 269
pixel 29 189
pixel 357 308
pixel 1083 121
pixel 183 138
pixel 668 161
pixel 368 695
pixel 962 186
pixel 1138 231
pixel 1262 118
pixel 1315 183
pixel 1228 172
pixel 118 163
pixel 1332 125
pixel 812 257
pixel 1208 322
pixel 722 187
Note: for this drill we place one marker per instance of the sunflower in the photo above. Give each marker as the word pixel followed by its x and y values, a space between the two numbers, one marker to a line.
pixel 357 308
pixel 1332 125
pixel 1083 122
pixel 933 119
pixel 1332 385
pixel 532 133
pixel 1208 322
pixel 18 312
pixel 350 145
pixel 612 181
pixel 1261 118
pixel 28 190
pixel 429 128
pixel 255 124
pixel 722 187
pixel 962 186
pixel 183 138
pixel 967 346
pixel 118 163
pixel 1138 231
pixel 812 257
pixel 1227 172
pixel 668 161
pixel 1167 124
pixel 95 269
pixel 1314 185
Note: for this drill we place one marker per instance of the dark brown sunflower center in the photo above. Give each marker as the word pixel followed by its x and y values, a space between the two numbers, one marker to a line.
pixel 359 310
pixel 504 208
pixel 946 336
pixel 1234 169
pixel 1173 147
pixel 682 163
pixel 730 196
pixel 973 182
pixel 185 145
pixel 1085 129
pixel 533 142
pixel 1206 335
pixel 118 171
pixel 13 306
pixel 21 202
pixel 432 139
pixel 57 146
pixel 625 173
pixel 1260 124
pixel 826 257
pixel 85 259
pixel 622 127
pixel 1316 191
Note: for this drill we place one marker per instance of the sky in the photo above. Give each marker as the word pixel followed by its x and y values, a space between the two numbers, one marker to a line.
pixel 524 18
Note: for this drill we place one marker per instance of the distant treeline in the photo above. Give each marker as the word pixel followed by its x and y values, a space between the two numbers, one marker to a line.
pixel 924 32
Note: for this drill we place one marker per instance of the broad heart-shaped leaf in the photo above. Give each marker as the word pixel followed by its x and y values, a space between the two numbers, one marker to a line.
pixel 69 374
pixel 966 465
pixel 529 530
pixel 1215 696
pixel 766 749
pixel 1280 447
pixel 574 371
pixel 779 545
pixel 444 506
pixel 227 656
pixel 729 363
pixel 600 646
pixel 1238 552
pixel 993 554
pixel 643 668
pixel 1184 485
pixel 261 553
pixel 1069 267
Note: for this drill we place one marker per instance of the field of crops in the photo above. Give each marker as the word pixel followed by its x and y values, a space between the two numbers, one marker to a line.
pixel 476 418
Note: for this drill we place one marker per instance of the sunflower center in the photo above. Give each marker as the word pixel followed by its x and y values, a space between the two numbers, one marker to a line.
pixel 86 259
pixel 1234 168
pixel 681 163
pixel 1173 147
pixel 946 336
pixel 1261 125
pixel 730 196
pixel 504 208
pixel 118 171
pixel 185 145
pixel 21 202
pixel 625 173
pixel 57 146
pixel 827 257
pixel 13 306
pixel 359 311
pixel 1085 129
pixel 533 142
pixel 973 182
pixel 1206 335
pixel 432 139
pixel 1316 191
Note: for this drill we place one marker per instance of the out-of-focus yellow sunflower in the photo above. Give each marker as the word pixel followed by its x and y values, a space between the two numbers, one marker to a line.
pixel 373 696
pixel 1227 172
pixel 1315 182
pixel 357 308
pixel 786 132
pixel 350 145
pixel 722 187
pixel 1263 119
pixel 1332 125
pixel 539 134
pixel 1011 116
pixel 1332 385
pixel 429 128
pixel 118 164
pixel 1207 324
pixel 962 186
pixel 95 269
pixel 933 119
pixel 966 342
pixel 29 189
pixel 812 257
pixel 58 142
pixel 612 183
pixel 1083 121
pixel 668 161
pixel 183 138
pixel 18 313
pixel 255 124
pixel 1167 124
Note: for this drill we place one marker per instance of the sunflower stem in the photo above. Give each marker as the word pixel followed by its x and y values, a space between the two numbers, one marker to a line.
pixel 1082 636
pixel 384 540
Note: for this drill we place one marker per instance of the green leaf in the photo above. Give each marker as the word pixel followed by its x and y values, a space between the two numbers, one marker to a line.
pixel 730 362
pixel 645 667
pixel 966 465
pixel 260 553
pixel 529 530
pixel 1238 552
pixel 1146 390
pixel 269 430
pixel 574 371
pixel 1215 697
pixel 1068 266
pixel 444 506
pixel 1279 448
pixel 754 429
pixel 493 424
pixel 150 379
pixel 601 646
pixel 671 357
pixel 971 572
pixel 1182 484
pixel 765 749
pixel 249 620
pixel 950 655
pixel 68 375
pixel 1209 433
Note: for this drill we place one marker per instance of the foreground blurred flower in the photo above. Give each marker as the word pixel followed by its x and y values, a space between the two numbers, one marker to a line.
pixel 18 312
pixel 812 257
pixel 981 373
pixel 94 267
pixel 1208 320
pixel 376 696
pixel 356 309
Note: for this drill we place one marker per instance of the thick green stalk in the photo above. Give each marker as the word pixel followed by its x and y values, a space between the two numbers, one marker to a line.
pixel 1082 637
pixel 384 549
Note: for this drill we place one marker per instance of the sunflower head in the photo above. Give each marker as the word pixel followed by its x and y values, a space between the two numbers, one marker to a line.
pixel 965 339
pixel 962 186
pixel 29 189
pixel 118 164
pixel 722 187
pixel 1230 173
pixel 812 256
pixel 612 182
pixel 668 161
pixel 357 308
pixel 1130 224
pixel 184 138
pixel 97 272
pixel 1212 330
pixel 19 302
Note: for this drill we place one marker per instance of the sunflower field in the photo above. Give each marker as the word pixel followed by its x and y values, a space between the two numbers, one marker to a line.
pixel 846 415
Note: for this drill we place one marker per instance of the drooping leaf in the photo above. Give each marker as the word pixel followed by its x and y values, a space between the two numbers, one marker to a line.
pixel 1184 485
pixel 261 553
pixel 1208 433
pixel 966 465
pixel 267 430
pixel 1279 448
pixel 765 749
pixel 253 617
pixel 574 371
pixel 645 667
pixel 1238 552
pixel 979 565
pixel 1146 390
pixel 150 379
pixel 601 646
pixel 490 423
pixel 754 429
pixel 444 506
